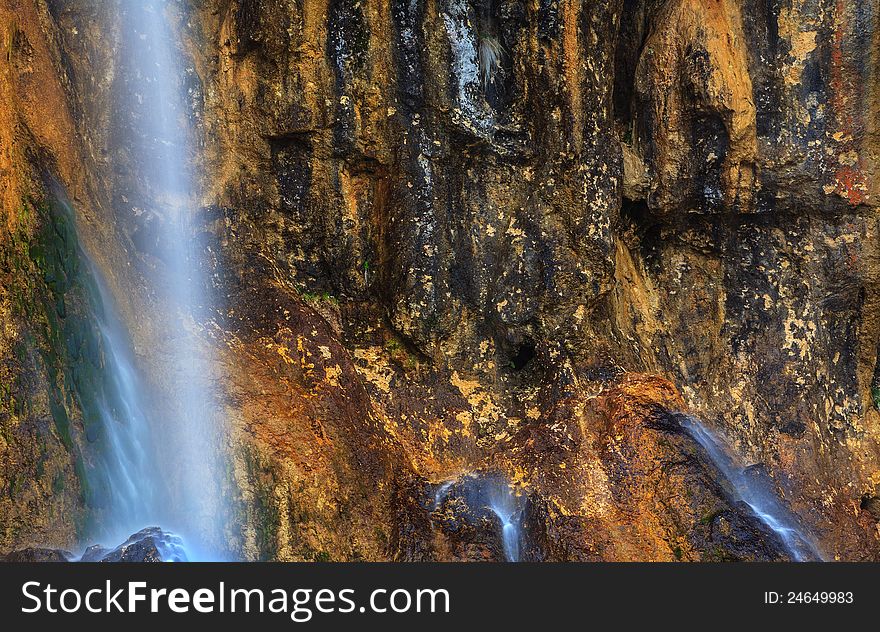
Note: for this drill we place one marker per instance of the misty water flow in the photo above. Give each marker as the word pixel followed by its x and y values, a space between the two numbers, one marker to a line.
pixel 755 492
pixel 128 467
pixel 180 486
pixel 116 454
pixel 161 131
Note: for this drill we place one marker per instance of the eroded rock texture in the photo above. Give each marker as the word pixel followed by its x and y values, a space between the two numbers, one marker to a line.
pixel 449 236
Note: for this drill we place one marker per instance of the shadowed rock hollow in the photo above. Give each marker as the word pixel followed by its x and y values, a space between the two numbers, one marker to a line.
pixel 427 265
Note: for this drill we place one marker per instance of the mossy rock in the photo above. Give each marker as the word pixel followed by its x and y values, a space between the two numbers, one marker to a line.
pixel 57 304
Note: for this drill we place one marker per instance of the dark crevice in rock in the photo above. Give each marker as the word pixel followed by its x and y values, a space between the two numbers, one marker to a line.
pixel 644 232
pixel 871 504
pixel 522 355
pixel 635 21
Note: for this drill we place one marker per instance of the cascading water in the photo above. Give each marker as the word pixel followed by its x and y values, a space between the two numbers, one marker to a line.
pixel 505 504
pixel 133 492
pixel 509 535
pixel 115 454
pixel 495 494
pixel 759 497
pixel 129 480
pixel 157 121
pixel 440 494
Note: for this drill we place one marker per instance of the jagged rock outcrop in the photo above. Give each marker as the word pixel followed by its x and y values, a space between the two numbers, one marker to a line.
pixel 148 545
pixel 426 264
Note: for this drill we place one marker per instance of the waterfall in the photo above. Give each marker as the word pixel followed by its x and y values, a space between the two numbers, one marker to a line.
pixel 152 122
pixel 89 360
pixel 758 495
pixel 506 506
pixel 132 491
pixel 494 493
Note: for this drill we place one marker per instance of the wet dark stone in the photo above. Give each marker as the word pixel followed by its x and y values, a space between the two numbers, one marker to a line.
pixel 665 421
pixel 735 534
pixel 37 554
pixel 148 545
pixel 794 429
pixel 871 504
pixel 94 553
pixel 523 355
pixel 469 513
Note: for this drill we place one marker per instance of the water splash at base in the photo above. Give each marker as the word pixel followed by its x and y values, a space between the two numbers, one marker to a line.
pixel 494 493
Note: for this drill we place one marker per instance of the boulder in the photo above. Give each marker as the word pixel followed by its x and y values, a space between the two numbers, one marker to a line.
pixel 147 545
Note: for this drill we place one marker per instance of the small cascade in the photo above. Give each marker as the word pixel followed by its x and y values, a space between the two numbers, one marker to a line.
pixel 440 494
pixel 489 493
pixel 754 492
pixel 510 535
pixel 91 367
pixel 131 488
pixel 508 508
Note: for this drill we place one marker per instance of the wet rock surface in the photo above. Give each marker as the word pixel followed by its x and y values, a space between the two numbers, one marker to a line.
pixel 647 207
pixel 147 545
pixel 39 555
pixel 481 517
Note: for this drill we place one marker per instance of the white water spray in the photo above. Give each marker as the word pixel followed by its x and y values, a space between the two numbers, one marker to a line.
pixel 154 124
pixel 132 493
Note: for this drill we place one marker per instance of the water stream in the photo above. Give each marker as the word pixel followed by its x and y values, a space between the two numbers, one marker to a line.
pixel 753 491
pixel 494 493
pixel 131 488
pixel 131 483
pixel 157 122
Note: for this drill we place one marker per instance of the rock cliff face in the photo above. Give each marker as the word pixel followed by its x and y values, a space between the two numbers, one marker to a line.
pixel 455 236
